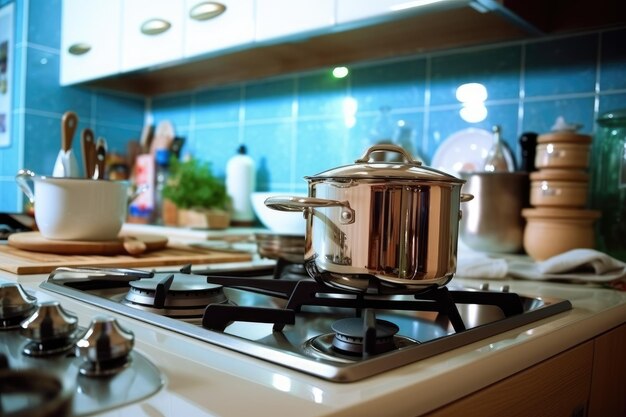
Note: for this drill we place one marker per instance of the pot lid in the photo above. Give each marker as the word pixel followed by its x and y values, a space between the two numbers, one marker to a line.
pixel 564 137
pixel 613 118
pixel 409 169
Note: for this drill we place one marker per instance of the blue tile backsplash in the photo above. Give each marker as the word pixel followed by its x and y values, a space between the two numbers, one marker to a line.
pixel 301 124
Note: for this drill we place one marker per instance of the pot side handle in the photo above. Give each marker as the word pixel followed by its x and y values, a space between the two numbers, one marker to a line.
pixel 22 176
pixel 466 197
pixel 289 203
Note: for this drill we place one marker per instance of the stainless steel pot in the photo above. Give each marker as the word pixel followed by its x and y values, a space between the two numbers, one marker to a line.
pixel 380 227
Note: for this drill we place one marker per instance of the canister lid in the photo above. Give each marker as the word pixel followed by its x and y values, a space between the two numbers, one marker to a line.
pixel 366 168
pixel 564 136
pixel 559 213
pixel 559 175
pixel 613 117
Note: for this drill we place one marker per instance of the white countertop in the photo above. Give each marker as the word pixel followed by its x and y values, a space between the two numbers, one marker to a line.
pixel 206 380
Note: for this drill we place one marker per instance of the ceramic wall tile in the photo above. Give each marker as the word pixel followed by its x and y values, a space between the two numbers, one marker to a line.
pixel 613 60
pixel 44 22
pixel 119 109
pixel 321 94
pixel 9 193
pixel 43 92
pixel 496 68
pixel 42 141
pixel 320 145
pixel 175 108
pixel 217 106
pixel 407 130
pixel 610 102
pixel 19 75
pixel 270 146
pixel 397 85
pixel 269 100
pixel 216 145
pixel 561 66
pixel 539 116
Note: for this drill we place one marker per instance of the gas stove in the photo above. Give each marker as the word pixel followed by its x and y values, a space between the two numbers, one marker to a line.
pixel 50 366
pixel 286 318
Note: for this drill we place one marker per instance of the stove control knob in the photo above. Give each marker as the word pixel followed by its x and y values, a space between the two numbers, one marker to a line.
pixel 49 322
pixel 15 305
pixel 105 347
pixel 51 329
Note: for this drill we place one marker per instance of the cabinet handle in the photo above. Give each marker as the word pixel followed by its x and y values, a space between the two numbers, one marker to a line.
pixel 155 26
pixel 79 48
pixel 206 10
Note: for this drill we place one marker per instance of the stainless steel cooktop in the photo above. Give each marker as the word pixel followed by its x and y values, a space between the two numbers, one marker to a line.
pixel 295 322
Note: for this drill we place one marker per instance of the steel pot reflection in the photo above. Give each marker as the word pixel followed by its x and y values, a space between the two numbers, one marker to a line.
pixel 380 227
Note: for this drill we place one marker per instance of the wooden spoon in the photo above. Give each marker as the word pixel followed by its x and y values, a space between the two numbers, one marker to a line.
pixel 69 122
pixel 89 152
pixel 101 154
pixel 134 246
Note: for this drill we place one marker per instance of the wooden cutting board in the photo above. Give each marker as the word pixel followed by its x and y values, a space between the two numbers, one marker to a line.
pixel 35 242
pixel 19 261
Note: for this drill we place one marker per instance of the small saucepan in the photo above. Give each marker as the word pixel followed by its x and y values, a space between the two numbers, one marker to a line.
pixel 380 227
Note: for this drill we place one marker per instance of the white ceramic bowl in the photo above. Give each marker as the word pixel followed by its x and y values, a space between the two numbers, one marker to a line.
pixel 283 222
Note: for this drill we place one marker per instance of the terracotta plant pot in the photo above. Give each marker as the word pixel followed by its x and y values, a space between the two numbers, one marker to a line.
pixel 204 218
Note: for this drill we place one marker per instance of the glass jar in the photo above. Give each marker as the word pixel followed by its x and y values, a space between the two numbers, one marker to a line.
pixel 608 179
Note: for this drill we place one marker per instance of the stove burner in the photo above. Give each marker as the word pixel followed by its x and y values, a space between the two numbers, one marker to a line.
pixel 28 392
pixel 350 335
pixel 174 295
pixel 16 305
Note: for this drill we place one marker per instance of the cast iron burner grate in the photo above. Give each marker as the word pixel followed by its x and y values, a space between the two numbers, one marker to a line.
pixel 297 317
pixel 308 292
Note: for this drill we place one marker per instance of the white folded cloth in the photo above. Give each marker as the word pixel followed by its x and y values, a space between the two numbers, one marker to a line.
pixel 472 264
pixel 481 266
pixel 578 265
pixel 584 265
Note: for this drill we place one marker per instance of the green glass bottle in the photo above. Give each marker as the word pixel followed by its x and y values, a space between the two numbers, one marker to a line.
pixel 608 183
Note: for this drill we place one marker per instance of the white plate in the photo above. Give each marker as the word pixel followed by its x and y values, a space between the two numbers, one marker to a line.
pixel 463 151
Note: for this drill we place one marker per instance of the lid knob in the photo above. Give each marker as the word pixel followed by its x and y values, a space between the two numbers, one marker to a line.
pixel 384 147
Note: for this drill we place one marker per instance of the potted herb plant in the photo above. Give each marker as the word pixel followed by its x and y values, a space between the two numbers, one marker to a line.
pixel 200 198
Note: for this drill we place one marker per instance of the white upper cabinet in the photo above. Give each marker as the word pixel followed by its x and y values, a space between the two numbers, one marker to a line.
pixel 152 33
pixel 214 25
pixel 283 18
pixel 354 10
pixel 90 39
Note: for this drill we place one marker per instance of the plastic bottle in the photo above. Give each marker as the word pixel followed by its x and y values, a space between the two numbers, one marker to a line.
pixel 162 159
pixel 240 183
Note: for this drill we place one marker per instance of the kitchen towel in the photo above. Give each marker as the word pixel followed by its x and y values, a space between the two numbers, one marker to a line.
pixel 580 265
pixel 472 264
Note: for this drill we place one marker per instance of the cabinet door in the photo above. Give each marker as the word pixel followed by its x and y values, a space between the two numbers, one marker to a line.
pixel 152 33
pixel 557 387
pixel 608 390
pixel 353 10
pixel 90 39
pixel 280 18
pixel 214 25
